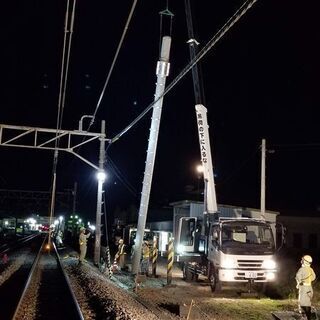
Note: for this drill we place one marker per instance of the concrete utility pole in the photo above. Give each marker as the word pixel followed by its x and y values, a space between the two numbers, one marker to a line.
pixel 263 179
pixel 162 72
pixel 101 178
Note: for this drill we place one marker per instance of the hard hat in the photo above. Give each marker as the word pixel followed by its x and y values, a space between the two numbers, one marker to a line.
pixel 307 259
pixel 82 229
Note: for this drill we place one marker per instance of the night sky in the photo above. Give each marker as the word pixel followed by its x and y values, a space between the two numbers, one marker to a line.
pixel 260 81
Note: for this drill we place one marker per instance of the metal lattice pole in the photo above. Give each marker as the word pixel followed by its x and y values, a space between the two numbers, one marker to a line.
pixel 162 72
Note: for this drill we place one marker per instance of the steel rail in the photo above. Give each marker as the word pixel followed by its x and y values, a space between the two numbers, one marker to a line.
pixel 34 265
pixel 11 246
pixel 75 301
pixel 60 268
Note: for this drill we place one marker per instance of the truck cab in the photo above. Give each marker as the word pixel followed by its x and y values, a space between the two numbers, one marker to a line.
pixel 233 250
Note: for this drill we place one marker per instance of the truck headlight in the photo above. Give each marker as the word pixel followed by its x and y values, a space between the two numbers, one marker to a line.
pixel 270 276
pixel 228 264
pixel 269 264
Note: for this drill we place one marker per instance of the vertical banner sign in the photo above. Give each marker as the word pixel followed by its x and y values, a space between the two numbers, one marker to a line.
pixel 170 261
pixel 204 141
pixel 154 257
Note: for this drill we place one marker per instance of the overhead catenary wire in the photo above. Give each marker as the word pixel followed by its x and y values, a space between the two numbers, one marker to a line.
pixel 61 100
pixel 116 171
pixel 211 43
pixel 112 67
pixel 113 63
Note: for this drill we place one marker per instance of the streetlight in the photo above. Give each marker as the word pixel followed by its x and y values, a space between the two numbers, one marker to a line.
pixel 101 176
pixel 199 168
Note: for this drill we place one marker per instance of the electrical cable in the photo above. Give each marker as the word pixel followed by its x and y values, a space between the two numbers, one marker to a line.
pixel 211 43
pixel 113 63
pixel 121 177
pixel 112 66
pixel 61 101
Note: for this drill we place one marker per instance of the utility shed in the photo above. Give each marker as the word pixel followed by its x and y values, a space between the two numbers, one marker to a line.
pixel 302 232
pixel 187 208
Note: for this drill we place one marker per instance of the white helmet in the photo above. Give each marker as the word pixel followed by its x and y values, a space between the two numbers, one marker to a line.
pixel 307 259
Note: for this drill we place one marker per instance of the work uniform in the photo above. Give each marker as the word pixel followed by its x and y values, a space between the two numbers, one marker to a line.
pixel 304 278
pixel 59 239
pixel 120 255
pixel 83 245
pixel 145 259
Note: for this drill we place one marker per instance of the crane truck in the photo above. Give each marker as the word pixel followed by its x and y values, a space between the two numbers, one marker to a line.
pixel 224 248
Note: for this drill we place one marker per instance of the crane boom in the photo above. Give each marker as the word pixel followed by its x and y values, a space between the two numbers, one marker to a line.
pixel 202 123
pixel 206 159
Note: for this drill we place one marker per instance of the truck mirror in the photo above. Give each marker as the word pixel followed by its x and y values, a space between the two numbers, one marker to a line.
pixel 215 235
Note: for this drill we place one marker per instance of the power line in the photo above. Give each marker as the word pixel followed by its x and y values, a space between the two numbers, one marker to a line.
pixel 122 178
pixel 113 63
pixel 211 43
pixel 61 100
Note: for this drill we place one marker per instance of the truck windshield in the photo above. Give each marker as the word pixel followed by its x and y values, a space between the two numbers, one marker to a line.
pixel 247 237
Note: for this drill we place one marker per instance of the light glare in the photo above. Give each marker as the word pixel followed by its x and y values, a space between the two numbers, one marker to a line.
pixel 101 176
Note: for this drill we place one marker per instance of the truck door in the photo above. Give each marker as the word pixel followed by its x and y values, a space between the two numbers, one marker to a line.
pixel 187 233
pixel 214 244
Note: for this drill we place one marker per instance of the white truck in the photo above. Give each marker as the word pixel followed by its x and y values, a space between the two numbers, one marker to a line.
pixel 225 248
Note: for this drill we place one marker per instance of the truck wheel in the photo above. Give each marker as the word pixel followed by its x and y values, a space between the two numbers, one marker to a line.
pixel 214 280
pixel 187 275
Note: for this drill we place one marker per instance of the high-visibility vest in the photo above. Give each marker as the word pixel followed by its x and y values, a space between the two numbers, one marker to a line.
pixel 145 252
pixel 307 281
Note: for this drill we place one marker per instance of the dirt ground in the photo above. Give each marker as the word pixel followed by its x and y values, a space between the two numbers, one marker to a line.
pixel 194 300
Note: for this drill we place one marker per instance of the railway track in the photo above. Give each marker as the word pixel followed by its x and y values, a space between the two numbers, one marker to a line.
pixel 38 288
pixel 15 272
pixel 47 293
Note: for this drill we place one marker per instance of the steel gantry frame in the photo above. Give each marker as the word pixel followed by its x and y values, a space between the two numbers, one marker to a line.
pixel 61 140
pixel 39 139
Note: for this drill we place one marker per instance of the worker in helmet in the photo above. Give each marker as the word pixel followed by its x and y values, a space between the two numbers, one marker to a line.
pixel 145 257
pixel 120 255
pixel 304 278
pixel 83 237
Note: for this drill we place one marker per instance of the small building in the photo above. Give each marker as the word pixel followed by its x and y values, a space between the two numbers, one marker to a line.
pixel 187 208
pixel 302 232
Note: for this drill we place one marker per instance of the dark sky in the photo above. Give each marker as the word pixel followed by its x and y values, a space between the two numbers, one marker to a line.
pixel 261 81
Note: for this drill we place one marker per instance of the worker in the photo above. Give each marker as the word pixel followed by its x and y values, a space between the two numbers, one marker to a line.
pixel 145 257
pixel 120 255
pixel 59 241
pixel 304 278
pixel 83 244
